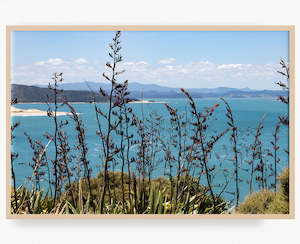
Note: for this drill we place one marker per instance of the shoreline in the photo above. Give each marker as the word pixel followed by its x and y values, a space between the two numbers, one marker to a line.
pixel 32 112
pixel 168 98
pixel 147 101
pixel 139 101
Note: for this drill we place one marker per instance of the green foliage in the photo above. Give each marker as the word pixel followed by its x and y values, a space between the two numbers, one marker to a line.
pixel 257 203
pixel 154 200
pixel 279 205
pixel 281 202
pixel 31 202
pixel 193 199
pixel 284 184
pixel 269 202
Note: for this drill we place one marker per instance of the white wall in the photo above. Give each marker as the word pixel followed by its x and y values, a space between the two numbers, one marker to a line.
pixel 144 12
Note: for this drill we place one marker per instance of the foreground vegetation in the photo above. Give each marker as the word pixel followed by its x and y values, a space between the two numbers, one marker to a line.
pixel 269 202
pixel 183 151
pixel 156 200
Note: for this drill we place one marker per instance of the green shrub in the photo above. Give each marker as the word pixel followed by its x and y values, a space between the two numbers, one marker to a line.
pixel 269 202
pixel 281 202
pixel 257 203
pixel 284 183
pixel 278 206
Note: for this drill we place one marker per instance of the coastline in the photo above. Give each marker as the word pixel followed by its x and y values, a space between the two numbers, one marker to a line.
pixel 147 101
pixel 139 101
pixel 32 112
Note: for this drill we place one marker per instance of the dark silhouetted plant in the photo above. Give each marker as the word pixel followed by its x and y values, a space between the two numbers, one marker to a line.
pixel 234 136
pixel 82 148
pixel 52 113
pixel 110 148
pixel 200 139
pixel 39 161
pixel 256 153
pixel 13 157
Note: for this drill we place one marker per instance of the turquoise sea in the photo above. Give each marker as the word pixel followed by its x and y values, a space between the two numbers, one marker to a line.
pixel 247 113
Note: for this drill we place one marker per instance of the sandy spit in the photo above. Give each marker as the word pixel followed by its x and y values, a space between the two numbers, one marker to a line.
pixel 146 101
pixel 32 112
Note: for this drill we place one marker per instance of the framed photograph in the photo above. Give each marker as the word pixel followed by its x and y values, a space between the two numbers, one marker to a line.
pixel 150 121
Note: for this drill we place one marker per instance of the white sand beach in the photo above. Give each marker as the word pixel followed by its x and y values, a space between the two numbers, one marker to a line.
pixel 32 112
pixel 146 101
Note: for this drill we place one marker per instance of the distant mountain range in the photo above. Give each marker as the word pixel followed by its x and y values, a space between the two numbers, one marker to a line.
pixel 139 90
pixel 82 92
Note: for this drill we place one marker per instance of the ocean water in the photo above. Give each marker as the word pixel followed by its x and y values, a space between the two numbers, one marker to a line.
pixel 247 113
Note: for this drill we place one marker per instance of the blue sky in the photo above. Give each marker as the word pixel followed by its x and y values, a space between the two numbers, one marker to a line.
pixel 176 59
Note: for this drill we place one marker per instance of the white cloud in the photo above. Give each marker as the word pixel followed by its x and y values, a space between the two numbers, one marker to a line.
pixel 41 72
pixel 128 63
pixel 167 61
pixel 51 61
pixel 142 63
pixel 169 67
pixel 234 66
pixel 139 63
pixel 40 63
pixel 81 61
pixel 135 67
pixel 192 74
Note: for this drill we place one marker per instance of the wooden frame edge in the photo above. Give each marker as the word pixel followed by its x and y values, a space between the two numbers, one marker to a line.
pixel 8 121
pixel 290 28
pixel 154 216
pixel 150 27
pixel 292 162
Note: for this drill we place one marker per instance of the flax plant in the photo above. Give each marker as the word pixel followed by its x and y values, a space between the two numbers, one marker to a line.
pixel 275 147
pixel 39 161
pixel 83 149
pixel 13 157
pixel 205 144
pixel 176 121
pixel 234 136
pixel 57 78
pixel 110 148
pixel 65 158
pixel 256 152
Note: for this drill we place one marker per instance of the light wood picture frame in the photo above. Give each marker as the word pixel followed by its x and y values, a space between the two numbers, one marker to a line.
pixel 169 111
